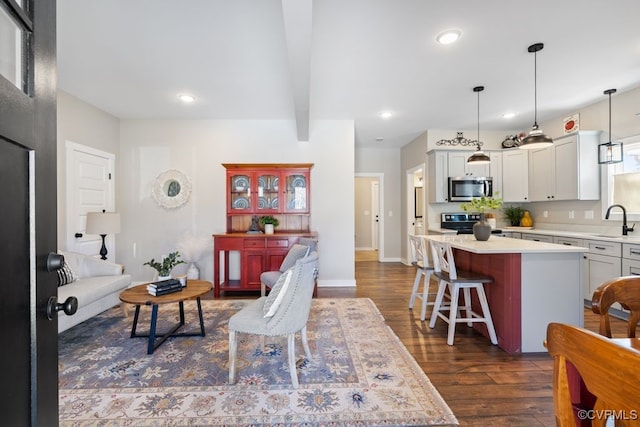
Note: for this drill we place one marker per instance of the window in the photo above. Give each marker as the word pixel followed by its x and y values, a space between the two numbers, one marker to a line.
pixel 621 182
pixel 15 31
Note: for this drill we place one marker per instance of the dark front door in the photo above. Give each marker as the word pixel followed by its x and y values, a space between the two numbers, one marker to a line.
pixel 29 354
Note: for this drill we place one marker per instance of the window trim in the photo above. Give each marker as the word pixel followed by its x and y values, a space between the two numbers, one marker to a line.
pixel 606 186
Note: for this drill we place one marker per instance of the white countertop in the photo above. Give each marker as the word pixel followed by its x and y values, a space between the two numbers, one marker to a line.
pixel 502 245
pixel 631 238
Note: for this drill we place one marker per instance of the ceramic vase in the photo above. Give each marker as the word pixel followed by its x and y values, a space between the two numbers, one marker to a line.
pixel 193 273
pixel 526 220
pixel 160 278
pixel 268 229
pixel 482 229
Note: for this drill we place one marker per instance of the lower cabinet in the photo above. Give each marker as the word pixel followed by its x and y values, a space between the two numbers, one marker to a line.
pixel 537 238
pixel 258 253
pixel 603 262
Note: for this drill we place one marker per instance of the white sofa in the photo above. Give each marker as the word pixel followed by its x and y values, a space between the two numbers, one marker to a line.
pixel 97 287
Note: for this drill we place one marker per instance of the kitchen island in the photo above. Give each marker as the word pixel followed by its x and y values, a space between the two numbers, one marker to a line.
pixel 534 283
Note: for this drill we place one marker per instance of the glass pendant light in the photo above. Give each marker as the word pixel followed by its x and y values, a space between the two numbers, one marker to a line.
pixel 610 152
pixel 478 158
pixel 536 138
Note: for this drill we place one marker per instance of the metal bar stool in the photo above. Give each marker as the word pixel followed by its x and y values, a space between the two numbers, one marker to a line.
pixel 420 260
pixel 445 270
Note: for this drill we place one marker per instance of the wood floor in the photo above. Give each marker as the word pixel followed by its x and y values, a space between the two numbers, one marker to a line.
pixel 482 384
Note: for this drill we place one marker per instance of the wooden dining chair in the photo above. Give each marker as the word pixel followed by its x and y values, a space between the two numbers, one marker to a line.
pixel 609 370
pixel 623 290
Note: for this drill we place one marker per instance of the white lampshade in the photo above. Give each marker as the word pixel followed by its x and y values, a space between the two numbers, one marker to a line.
pixel 103 223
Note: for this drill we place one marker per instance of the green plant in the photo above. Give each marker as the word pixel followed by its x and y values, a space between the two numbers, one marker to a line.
pixel 164 268
pixel 514 214
pixel 268 219
pixel 482 204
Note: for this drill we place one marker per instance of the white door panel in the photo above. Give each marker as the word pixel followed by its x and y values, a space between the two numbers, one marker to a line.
pixel 90 188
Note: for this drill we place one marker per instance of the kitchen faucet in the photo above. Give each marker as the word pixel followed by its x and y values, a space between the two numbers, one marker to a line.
pixel 625 229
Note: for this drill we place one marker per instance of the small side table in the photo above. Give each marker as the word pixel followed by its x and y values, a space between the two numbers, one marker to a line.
pixel 138 296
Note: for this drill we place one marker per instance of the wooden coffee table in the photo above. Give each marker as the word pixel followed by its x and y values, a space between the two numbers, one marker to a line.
pixel 138 296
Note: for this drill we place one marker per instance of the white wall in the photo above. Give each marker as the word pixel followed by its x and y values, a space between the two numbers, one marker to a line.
pixel 385 161
pixel 198 148
pixel 84 124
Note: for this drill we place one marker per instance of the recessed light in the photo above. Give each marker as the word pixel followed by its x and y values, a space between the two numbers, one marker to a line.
pixel 379 139
pixel 448 36
pixel 508 115
pixel 386 114
pixel 186 98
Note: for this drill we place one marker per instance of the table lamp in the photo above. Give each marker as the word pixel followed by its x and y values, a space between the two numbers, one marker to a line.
pixel 103 223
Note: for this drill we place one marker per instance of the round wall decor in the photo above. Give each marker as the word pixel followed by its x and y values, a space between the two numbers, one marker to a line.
pixel 171 189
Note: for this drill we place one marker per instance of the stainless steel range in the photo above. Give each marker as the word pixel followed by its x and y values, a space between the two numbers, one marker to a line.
pixel 462 222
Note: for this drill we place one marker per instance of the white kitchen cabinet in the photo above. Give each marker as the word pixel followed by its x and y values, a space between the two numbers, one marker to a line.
pixel 568 170
pixel 603 262
pixel 568 241
pixel 537 238
pixel 515 175
pixel 630 259
pixel 438 173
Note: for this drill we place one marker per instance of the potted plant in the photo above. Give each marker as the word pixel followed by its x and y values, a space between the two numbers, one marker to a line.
pixel 166 265
pixel 269 222
pixel 514 214
pixel 482 229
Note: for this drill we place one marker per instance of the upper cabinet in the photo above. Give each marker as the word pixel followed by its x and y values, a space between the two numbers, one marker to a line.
pixel 281 190
pixel 515 175
pixel 568 170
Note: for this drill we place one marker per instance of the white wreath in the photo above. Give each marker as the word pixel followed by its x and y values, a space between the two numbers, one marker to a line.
pixel 168 183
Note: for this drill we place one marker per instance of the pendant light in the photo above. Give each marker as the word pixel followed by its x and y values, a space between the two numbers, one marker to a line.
pixel 479 158
pixel 536 138
pixel 610 152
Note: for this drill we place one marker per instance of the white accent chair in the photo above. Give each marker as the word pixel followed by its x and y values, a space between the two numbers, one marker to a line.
pixel 420 259
pixel 445 270
pixel 293 299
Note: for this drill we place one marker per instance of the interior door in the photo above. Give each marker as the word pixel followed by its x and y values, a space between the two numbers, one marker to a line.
pixel 29 393
pixel 90 188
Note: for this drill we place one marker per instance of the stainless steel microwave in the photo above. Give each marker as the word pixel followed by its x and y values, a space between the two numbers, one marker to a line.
pixel 464 188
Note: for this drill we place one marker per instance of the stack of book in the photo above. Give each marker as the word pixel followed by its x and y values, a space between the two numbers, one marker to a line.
pixel 164 287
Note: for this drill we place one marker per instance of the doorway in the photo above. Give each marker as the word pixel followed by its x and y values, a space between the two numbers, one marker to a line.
pixel 369 220
pixel 416 218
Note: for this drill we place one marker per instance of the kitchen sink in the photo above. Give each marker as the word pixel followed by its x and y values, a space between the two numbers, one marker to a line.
pixel 609 236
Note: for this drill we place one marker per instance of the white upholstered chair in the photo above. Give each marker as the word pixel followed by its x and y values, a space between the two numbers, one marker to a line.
pixel 303 247
pixel 283 313
pixel 420 259
pixel 445 270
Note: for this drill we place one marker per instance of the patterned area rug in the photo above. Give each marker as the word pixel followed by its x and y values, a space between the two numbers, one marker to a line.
pixel 360 375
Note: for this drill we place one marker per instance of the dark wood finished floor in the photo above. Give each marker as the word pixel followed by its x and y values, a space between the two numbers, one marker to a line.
pixel 482 384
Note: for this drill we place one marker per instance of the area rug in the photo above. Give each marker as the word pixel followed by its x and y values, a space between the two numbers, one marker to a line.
pixel 360 373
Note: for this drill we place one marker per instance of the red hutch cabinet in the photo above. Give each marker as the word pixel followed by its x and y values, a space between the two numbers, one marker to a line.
pixel 279 190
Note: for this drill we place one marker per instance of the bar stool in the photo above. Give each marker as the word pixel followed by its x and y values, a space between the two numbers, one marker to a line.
pixel 445 270
pixel 420 260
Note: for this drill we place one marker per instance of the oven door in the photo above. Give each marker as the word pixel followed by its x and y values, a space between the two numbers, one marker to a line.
pixel 463 189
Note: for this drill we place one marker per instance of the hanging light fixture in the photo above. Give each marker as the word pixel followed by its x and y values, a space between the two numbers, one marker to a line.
pixel 610 152
pixel 536 138
pixel 479 158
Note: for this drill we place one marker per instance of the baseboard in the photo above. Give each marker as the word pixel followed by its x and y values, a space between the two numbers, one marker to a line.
pixel 337 283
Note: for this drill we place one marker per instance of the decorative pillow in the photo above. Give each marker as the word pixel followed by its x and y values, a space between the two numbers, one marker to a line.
pixel 295 253
pixel 66 275
pixel 278 292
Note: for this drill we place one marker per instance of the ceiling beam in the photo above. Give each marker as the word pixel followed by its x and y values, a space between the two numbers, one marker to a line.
pixel 297 16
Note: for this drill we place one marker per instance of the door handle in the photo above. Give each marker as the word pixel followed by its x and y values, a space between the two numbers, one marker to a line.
pixel 77 235
pixel 70 306
pixel 54 261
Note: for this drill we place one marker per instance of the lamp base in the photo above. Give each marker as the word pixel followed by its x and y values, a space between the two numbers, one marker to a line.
pixel 103 249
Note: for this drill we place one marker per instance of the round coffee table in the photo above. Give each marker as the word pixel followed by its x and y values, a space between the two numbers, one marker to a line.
pixel 138 295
